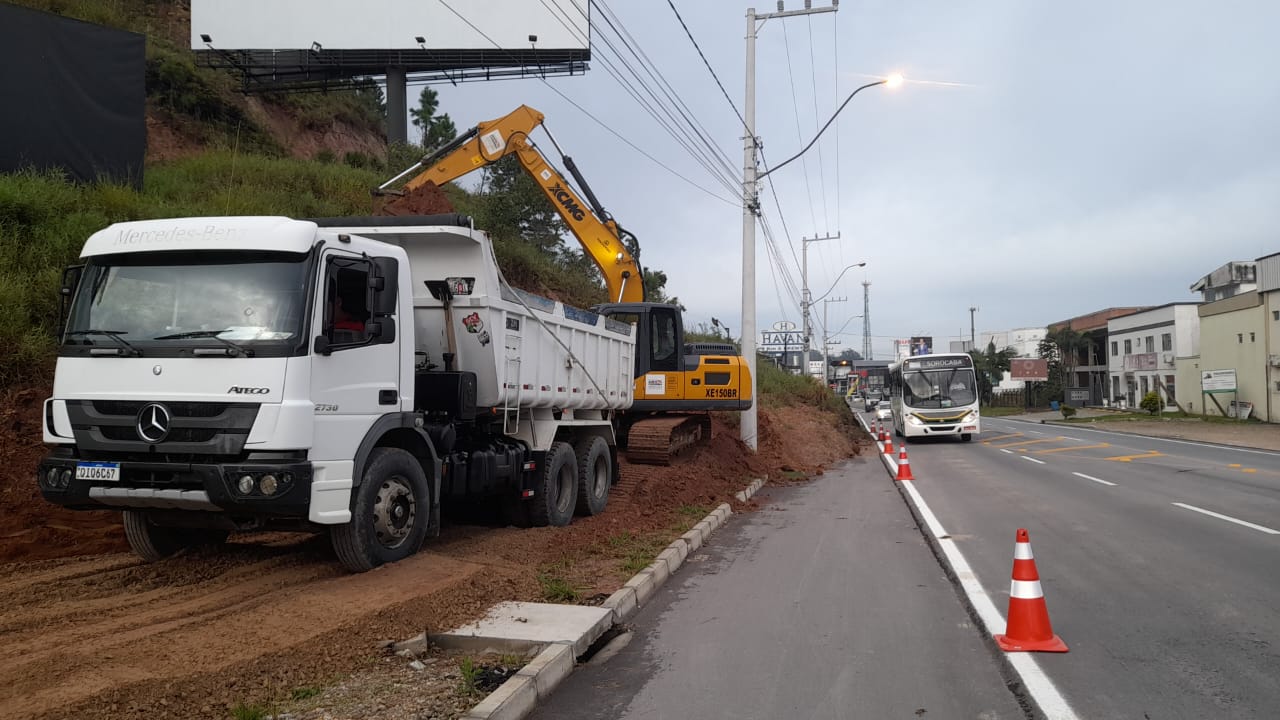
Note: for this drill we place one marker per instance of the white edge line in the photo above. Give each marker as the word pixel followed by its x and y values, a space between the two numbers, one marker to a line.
pixel 1037 684
pixel 1035 432
pixel 1097 480
pixel 1038 462
pixel 1006 451
pixel 1228 518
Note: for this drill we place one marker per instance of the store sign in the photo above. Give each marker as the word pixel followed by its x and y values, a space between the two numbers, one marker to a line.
pixel 1029 369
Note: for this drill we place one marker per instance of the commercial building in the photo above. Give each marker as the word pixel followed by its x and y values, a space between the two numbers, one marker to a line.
pixel 1143 349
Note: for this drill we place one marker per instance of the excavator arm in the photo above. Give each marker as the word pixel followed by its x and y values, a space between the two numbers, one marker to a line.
pixel 612 248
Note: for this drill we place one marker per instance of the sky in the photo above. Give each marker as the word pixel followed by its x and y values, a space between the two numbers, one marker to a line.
pixel 1041 161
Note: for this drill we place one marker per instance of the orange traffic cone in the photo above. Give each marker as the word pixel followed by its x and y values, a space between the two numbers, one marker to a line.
pixel 904 465
pixel 888 442
pixel 1028 627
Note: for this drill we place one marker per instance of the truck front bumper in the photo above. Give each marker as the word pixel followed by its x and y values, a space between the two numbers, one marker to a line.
pixel 211 487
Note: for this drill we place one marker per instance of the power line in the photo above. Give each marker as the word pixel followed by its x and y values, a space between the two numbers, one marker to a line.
pixel 795 109
pixel 708 64
pixel 597 120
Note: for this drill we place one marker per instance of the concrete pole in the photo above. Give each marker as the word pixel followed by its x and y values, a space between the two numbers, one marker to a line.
pixel 747 429
pixel 397 108
pixel 804 299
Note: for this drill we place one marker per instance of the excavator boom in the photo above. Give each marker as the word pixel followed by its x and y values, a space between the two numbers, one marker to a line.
pixel 599 235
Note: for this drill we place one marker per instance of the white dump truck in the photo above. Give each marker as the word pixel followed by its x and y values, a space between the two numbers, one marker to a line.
pixel 227 374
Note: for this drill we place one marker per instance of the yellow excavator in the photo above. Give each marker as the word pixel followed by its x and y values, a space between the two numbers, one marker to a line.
pixel 676 384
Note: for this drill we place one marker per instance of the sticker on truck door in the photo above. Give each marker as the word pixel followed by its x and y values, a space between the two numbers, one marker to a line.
pixel 655 384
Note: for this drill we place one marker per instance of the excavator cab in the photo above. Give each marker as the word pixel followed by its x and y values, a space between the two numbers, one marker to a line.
pixel 676 383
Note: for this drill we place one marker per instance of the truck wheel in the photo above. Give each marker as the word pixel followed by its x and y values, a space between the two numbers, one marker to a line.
pixel 595 475
pixel 390 514
pixel 157 542
pixel 557 492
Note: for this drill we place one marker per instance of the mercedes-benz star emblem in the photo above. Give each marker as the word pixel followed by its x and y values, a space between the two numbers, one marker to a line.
pixel 157 370
pixel 153 423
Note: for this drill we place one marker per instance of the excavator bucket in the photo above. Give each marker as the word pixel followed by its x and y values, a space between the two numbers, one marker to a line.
pixel 656 440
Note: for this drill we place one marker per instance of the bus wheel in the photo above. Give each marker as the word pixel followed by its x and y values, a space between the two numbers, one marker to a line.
pixel 389 517
pixel 966 437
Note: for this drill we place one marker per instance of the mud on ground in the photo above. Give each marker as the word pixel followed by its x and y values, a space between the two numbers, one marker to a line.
pixel 91 632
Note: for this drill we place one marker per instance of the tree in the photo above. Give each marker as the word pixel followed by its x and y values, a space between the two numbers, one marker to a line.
pixel 511 202
pixel 991 365
pixel 436 129
pixel 848 354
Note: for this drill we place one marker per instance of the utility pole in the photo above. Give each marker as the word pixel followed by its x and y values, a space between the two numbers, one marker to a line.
pixel 750 207
pixel 805 295
pixel 866 320
pixel 826 355
pixel 972 344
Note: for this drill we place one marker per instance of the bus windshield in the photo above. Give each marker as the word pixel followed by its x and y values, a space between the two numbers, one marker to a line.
pixel 943 388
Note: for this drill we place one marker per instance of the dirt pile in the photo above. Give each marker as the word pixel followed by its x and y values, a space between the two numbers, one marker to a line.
pixel 427 199
pixel 103 635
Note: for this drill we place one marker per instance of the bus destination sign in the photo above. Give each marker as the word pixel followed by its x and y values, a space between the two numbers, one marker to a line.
pixel 935 363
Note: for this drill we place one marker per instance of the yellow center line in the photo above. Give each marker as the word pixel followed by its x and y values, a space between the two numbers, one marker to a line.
pixel 1249 470
pixel 1071 447
pixel 1235 465
pixel 998 438
pixel 1020 443
pixel 1131 458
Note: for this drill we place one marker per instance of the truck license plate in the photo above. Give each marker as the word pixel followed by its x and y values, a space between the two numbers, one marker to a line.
pixel 98 471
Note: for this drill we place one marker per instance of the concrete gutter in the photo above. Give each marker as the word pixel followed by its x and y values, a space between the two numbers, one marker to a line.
pixel 518 696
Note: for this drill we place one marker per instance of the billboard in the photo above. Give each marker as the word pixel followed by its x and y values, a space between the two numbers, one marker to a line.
pixel 921 345
pixel 389 25
pixel 1218 381
pixel 1034 369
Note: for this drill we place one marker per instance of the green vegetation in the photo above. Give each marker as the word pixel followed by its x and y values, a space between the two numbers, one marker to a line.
pixel 555 586
pixel 470 683
pixel 304 693
pixel 778 387
pixel 1152 403
pixel 988 411
pixel 1068 412
pixel 243 711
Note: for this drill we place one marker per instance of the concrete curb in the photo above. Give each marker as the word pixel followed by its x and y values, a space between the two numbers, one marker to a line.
pixel 517 697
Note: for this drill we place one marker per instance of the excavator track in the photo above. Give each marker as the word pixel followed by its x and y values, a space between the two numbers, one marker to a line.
pixel 655 441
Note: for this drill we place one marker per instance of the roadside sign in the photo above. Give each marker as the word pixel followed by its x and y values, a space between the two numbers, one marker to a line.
pixel 1028 369
pixel 1218 381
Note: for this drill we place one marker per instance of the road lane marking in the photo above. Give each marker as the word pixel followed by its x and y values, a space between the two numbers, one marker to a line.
pixel 1034 680
pixel 998 438
pixel 1228 518
pixel 1097 480
pixel 1035 432
pixel 1020 443
pixel 1131 458
pixel 1234 465
pixel 1249 470
pixel 1006 451
pixel 1071 447
pixel 1038 462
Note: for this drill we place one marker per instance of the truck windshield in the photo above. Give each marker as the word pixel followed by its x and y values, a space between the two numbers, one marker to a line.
pixel 938 388
pixel 162 301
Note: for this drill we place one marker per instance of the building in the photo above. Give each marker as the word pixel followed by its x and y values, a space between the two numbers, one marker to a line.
pixel 1269 287
pixel 1088 382
pixel 1234 278
pixel 1144 348
pixel 1025 342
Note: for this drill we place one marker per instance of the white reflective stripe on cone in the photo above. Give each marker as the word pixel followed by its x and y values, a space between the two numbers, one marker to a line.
pixel 1025 589
pixel 1022 551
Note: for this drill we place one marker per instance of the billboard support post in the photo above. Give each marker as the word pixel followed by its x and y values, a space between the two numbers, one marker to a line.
pixel 397 107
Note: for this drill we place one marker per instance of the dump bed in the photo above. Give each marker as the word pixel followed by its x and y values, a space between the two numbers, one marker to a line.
pixel 526 351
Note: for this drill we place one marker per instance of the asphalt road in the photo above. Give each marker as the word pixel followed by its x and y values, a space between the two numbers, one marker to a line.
pixel 826 603
pixel 1160 560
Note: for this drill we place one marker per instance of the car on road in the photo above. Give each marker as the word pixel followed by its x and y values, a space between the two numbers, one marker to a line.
pixel 884 411
pixel 871 400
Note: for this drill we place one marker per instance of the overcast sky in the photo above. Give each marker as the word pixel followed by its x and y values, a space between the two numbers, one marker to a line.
pixel 1077 156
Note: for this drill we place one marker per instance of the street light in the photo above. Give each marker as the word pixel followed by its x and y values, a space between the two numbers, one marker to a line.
pixel 727 334
pixel 837 281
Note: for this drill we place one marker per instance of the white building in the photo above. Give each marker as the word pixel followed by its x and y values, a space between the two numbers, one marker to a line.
pixel 1024 341
pixel 1144 348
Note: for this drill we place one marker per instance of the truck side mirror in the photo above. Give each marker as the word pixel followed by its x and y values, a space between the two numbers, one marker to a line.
pixel 321 346
pixel 384 282
pixel 382 329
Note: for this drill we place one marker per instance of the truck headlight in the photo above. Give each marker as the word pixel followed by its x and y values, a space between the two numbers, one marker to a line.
pixel 246 485
pixel 64 478
pixel 268 484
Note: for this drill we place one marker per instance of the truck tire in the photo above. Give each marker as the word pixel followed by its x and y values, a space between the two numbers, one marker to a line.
pixel 390 515
pixel 157 542
pixel 557 494
pixel 595 475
